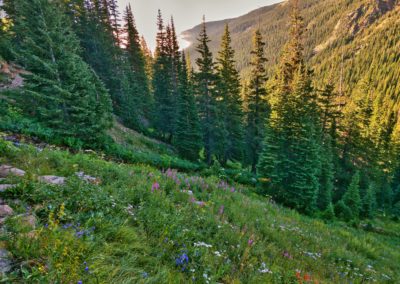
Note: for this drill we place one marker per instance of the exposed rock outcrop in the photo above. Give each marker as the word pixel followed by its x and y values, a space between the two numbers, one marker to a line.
pixel 6 170
pixel 56 180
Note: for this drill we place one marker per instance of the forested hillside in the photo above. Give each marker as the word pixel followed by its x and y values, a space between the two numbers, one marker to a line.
pixel 327 23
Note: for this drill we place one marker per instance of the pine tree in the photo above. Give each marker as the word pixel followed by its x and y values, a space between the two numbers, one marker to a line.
pixel 93 24
pixel 229 102
pixel 188 134
pixel 352 197
pixel 165 117
pixel 290 163
pixel 256 105
pixel 329 116
pixel 148 56
pixel 61 90
pixel 115 21
pixel 329 212
pixel 205 87
pixel 369 203
pixel 138 99
pixel 326 177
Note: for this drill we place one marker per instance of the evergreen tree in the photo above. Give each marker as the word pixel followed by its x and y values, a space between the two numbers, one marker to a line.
pixel 329 116
pixel 138 100
pixel 61 90
pixel 165 117
pixel 369 203
pixel 188 134
pixel 205 86
pixel 229 102
pixel 256 105
pixel 326 177
pixel 115 21
pixel 329 212
pixel 342 211
pixel 352 197
pixel 290 162
pixel 92 23
pixel 6 50
pixel 148 56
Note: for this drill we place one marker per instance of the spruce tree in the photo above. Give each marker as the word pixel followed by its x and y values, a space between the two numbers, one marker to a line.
pixel 229 102
pixel 148 56
pixel 138 99
pixel 188 138
pixel 164 115
pixel 94 24
pixel 61 91
pixel 369 203
pixel 256 104
pixel 205 87
pixel 326 177
pixel 352 197
pixel 290 162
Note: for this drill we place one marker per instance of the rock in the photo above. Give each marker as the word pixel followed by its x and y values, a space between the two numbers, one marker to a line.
pixel 52 180
pixel 5 210
pixel 29 221
pixel 4 187
pixel 87 178
pixel 6 171
pixel 5 262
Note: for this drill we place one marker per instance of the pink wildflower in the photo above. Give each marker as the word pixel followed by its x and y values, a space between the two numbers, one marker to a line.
pixel 155 186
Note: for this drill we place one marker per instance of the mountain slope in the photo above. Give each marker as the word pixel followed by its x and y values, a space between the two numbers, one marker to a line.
pixel 353 44
pixel 326 21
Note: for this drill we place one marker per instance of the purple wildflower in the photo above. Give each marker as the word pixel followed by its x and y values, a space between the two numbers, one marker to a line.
pixel 250 242
pixel 155 186
pixel 221 210
pixel 287 255
pixel 182 261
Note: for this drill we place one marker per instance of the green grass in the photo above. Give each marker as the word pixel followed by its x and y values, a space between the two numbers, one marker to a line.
pixel 125 233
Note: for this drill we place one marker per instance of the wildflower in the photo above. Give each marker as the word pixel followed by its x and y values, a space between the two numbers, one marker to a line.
pixel 201 203
pixel 232 189
pixel 80 282
pixel 264 268
pixel 250 242
pixel 202 244
pixel 86 269
pixel 298 275
pixel 221 210
pixel 307 277
pixel 145 275
pixel 217 253
pixel 155 186
pixel 287 255
pixel 182 259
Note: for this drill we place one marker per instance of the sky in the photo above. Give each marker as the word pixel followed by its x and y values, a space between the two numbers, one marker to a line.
pixel 187 13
